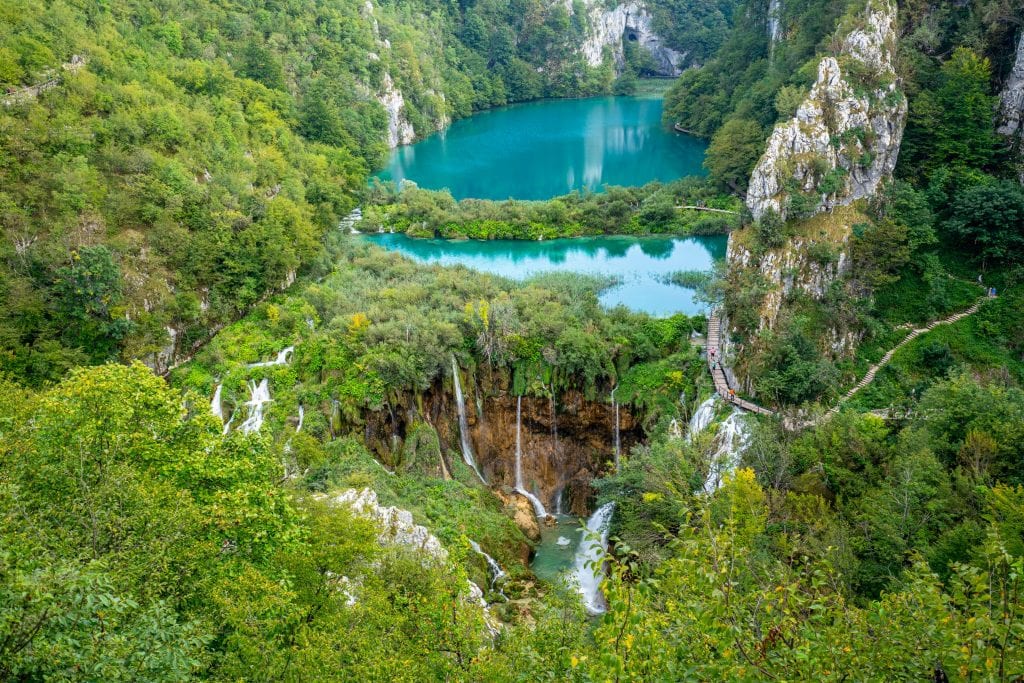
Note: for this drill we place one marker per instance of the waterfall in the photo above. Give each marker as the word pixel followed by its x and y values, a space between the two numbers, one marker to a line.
pixel 733 438
pixel 348 223
pixel 558 502
pixel 215 405
pixel 674 431
pixel 467 446
pixel 227 427
pixel 618 443
pixel 282 358
pixel 701 418
pixel 538 507
pixel 493 568
pixel 302 418
pixel 259 396
pixel 554 418
pixel 589 569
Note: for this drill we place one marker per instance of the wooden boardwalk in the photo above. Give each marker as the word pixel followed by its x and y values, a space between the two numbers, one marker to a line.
pixel 869 376
pixel 718 375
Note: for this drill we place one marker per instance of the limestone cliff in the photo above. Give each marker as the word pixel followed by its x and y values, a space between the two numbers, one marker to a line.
pixel 845 137
pixel 628 21
pixel 1011 109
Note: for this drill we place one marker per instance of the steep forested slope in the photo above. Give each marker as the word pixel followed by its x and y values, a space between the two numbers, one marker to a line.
pixel 164 166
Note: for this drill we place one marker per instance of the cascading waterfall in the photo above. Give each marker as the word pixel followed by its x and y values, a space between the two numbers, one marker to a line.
pixel 281 359
pixel 701 418
pixel 733 438
pixel 259 397
pixel 558 502
pixel 348 223
pixel 216 407
pixel 302 418
pixel 538 507
pixel 589 568
pixel 495 570
pixel 227 427
pixel 467 446
pixel 674 431
pixel 618 443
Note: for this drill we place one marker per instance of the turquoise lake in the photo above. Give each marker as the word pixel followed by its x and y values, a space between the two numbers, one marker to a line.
pixel 640 263
pixel 544 149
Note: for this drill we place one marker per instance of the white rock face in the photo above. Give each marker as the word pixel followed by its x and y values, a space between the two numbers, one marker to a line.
pixel 791 268
pixel 400 131
pixel 1011 104
pixel 627 21
pixel 397 526
pixel 839 127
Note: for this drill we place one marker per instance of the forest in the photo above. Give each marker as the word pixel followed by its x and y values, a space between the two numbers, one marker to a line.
pixel 184 178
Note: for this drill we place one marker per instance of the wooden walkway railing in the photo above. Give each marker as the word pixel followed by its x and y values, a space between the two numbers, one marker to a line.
pixel 717 370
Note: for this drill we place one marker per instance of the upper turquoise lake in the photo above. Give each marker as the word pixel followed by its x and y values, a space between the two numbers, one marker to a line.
pixel 544 149
pixel 641 264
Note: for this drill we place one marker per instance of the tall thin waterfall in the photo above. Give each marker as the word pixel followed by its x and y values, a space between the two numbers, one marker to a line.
pixel 589 569
pixel 216 407
pixel 701 418
pixel 467 446
pixel 281 359
pixel 302 418
pixel 538 507
pixel 259 397
pixel 495 570
pixel 733 438
pixel 618 442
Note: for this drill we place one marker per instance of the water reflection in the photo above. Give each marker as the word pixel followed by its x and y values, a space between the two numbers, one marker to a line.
pixel 640 264
pixel 543 149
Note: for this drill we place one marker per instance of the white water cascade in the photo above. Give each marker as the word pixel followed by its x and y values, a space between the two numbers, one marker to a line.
pixel 259 397
pixel 618 442
pixel 467 446
pixel 495 570
pixel 348 223
pixel 282 358
pixel 302 418
pixel 732 438
pixel 701 418
pixel 589 569
pixel 216 407
pixel 538 507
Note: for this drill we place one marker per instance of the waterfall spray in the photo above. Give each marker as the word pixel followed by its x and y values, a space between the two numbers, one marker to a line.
pixel 259 397
pixel 589 568
pixel 538 507
pixel 701 418
pixel 493 568
pixel 733 438
pixel 216 407
pixel 467 446
pixel 281 359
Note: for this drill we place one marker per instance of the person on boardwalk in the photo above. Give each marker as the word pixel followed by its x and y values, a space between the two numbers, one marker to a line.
pixel 732 395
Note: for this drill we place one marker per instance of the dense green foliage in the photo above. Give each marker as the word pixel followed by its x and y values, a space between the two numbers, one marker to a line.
pixel 209 146
pixel 201 157
pixel 647 210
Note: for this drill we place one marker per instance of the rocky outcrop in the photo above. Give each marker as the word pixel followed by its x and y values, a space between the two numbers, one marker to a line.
pixel 1011 106
pixel 629 21
pixel 396 525
pixel 793 268
pixel 521 512
pixel 400 131
pixel 845 137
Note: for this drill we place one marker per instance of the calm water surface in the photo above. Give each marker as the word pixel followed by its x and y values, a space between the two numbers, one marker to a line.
pixel 641 263
pixel 544 149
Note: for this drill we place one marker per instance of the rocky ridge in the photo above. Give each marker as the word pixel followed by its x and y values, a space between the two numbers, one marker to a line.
pixel 627 21
pixel 845 137
pixel 1011 106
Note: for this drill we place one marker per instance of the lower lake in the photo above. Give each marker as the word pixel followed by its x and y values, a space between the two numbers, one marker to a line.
pixel 641 264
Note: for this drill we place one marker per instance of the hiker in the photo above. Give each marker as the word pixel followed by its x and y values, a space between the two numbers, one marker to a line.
pixel 732 394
